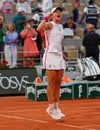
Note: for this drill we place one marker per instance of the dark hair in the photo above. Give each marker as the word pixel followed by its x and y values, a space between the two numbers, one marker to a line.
pixel 26 23
pixel 70 17
pixel 37 9
pixel 0 18
pixel 91 2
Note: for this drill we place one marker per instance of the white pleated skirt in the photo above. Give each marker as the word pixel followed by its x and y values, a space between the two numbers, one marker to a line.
pixel 53 61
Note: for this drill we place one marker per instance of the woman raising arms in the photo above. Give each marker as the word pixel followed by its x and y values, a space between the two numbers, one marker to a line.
pixel 53 60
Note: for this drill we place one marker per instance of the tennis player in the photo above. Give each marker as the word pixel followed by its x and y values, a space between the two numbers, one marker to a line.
pixel 53 59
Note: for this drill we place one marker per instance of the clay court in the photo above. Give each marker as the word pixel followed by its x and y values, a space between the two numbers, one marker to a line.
pixel 17 113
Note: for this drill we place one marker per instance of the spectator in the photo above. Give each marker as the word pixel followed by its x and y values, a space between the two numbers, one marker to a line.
pixel 69 24
pixel 26 4
pixel 77 2
pixel 7 6
pixel 37 18
pixel 1 5
pixel 47 5
pixel 91 42
pixel 20 3
pixel 19 21
pixel 75 12
pixel 87 28
pixel 30 48
pixel 36 4
pixel 91 13
pixel 86 31
pixel 3 30
pixel 11 40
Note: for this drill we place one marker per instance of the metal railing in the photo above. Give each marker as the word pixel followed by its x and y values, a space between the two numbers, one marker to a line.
pixel 72 56
pixel 20 57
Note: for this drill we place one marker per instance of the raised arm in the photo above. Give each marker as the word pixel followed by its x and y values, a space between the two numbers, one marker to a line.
pixel 45 25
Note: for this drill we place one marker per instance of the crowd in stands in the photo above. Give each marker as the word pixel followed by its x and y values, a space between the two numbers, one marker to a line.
pixel 22 31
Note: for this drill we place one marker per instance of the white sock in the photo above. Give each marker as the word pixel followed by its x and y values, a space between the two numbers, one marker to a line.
pixel 51 106
pixel 56 104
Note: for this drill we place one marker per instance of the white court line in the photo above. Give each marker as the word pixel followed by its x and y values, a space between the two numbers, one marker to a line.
pixel 43 121
pixel 20 110
pixel 81 127
pixel 17 106
pixel 22 118
pixel 89 107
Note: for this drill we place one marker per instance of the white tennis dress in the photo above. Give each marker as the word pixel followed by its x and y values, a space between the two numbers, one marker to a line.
pixel 53 57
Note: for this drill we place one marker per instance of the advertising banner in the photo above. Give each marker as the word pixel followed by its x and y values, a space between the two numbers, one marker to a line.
pixel 13 81
pixel 38 91
pixel 80 90
pixel 93 90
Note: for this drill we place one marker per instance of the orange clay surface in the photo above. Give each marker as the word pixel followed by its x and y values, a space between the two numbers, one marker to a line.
pixel 17 113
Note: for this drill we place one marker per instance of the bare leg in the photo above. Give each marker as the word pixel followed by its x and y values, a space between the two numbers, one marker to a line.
pixel 59 75
pixel 53 90
pixel 51 74
pixel 54 81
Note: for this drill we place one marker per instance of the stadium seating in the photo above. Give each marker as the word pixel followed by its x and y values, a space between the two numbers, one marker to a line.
pixel 67 10
pixel 97 2
pixel 72 51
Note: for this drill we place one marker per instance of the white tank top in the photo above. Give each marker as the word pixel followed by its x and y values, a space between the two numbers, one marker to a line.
pixel 54 38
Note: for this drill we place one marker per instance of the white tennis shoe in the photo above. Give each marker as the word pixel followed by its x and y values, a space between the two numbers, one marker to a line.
pixel 54 113
pixel 59 111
